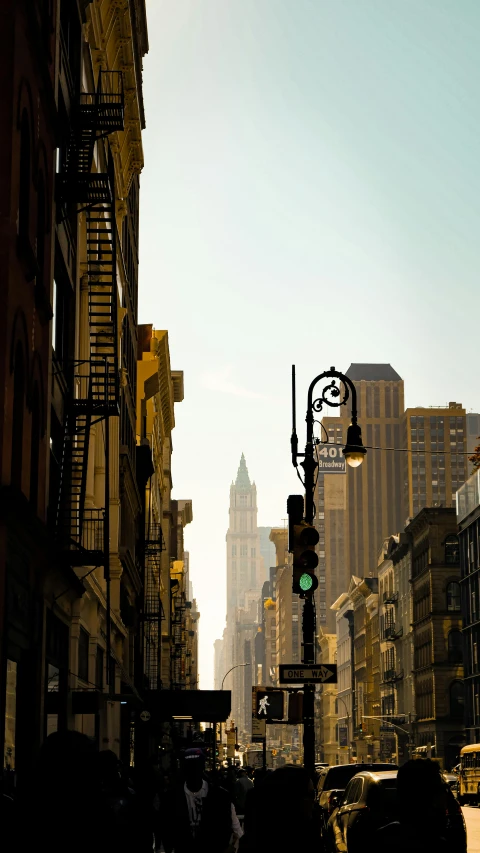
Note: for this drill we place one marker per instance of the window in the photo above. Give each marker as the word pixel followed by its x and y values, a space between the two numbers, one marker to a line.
pixel 99 664
pixel 25 180
pixel 243 550
pixel 452 553
pixel 457 700
pixel 83 654
pixel 253 552
pixel 17 417
pixel 234 550
pixel 453 596
pixel 455 648
pixel 41 229
pixel 35 447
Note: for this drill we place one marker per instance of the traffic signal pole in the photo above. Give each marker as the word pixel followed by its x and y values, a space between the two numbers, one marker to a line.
pixel 335 394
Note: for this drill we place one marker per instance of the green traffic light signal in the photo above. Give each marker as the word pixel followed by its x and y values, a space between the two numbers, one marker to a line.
pixel 306 582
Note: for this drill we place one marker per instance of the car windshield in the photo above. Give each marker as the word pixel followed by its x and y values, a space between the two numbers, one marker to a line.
pixel 339 777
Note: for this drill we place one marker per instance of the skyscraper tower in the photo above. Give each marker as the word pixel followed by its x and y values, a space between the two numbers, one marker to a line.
pixel 357 509
pixel 244 563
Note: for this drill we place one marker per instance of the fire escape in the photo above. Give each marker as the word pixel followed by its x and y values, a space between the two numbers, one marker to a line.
pixel 153 611
pixel 94 389
pixel 179 642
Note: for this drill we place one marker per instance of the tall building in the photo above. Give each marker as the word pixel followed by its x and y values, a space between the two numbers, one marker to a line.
pixel 357 508
pixel 435 465
pixel 246 574
pixel 71 123
pixel 28 137
pixel 244 563
pixel 468 520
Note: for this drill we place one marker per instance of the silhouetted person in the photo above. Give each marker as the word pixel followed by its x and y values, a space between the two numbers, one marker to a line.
pixel 422 805
pixel 197 814
pixel 130 823
pixel 281 815
pixel 242 786
pixel 63 802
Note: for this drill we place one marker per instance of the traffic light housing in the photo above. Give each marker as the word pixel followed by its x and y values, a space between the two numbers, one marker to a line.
pixel 305 559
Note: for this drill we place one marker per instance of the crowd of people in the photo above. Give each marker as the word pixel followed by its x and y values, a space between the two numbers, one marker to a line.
pixel 84 801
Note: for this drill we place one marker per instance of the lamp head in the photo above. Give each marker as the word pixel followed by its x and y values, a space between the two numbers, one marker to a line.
pixel 354 451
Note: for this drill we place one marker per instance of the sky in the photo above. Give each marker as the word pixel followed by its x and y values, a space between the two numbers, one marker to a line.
pixel 310 196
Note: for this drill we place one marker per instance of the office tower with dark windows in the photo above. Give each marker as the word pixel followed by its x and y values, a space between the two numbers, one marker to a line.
pixel 358 508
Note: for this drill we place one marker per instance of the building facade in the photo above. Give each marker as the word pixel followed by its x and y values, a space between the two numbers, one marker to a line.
pixel 343 609
pixel 437 634
pixel 435 466
pixel 28 128
pixel 468 519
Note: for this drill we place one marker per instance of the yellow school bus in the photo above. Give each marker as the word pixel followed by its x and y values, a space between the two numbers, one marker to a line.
pixel 469 779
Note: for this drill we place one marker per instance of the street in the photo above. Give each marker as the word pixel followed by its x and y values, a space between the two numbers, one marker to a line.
pixel 472 819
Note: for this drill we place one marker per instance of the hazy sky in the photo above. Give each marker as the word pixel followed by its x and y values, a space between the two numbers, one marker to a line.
pixel 311 196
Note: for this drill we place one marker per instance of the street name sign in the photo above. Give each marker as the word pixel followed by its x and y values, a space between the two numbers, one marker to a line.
pixel 298 674
pixel 331 460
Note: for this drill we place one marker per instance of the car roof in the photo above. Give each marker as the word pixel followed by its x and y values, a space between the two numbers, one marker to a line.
pixel 363 765
pixel 379 775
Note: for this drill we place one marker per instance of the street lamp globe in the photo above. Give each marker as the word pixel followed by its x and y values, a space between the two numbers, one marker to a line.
pixel 354 451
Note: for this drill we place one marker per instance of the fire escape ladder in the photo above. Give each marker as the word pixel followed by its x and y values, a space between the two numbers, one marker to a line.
pixel 95 390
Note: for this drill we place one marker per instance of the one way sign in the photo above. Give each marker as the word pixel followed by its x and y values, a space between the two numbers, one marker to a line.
pixel 298 674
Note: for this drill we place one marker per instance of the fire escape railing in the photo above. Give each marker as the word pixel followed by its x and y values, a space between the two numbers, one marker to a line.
pixel 153 610
pixel 179 643
pixel 94 395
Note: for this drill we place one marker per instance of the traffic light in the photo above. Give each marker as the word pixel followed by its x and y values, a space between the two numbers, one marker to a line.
pixel 305 560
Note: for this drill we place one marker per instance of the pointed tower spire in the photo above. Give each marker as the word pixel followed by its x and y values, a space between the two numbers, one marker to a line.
pixel 243 480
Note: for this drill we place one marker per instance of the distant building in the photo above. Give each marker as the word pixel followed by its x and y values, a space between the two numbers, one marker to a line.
pixel 468 519
pixel 219 663
pixel 436 465
pixel 245 577
pixel 357 509
pixel 437 634
pixel 473 434
pixel 267 552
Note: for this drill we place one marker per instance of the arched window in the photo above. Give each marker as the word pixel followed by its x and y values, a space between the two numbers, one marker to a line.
pixel 457 699
pixel 24 191
pixel 41 228
pixel 452 551
pixel 453 596
pixel 455 647
pixel 17 416
pixel 35 447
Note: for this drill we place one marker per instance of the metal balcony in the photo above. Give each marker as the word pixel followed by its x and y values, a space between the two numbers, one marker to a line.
pixel 392 633
pixel 390 597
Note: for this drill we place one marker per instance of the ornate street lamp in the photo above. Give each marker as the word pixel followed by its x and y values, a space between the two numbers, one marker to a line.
pixel 337 390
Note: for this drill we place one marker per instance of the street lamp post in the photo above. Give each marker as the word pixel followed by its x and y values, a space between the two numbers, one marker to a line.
pixel 334 394
pixel 237 666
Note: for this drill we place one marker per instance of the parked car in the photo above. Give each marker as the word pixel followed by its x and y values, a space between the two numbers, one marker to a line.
pixel 332 783
pixel 452 782
pixel 369 802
